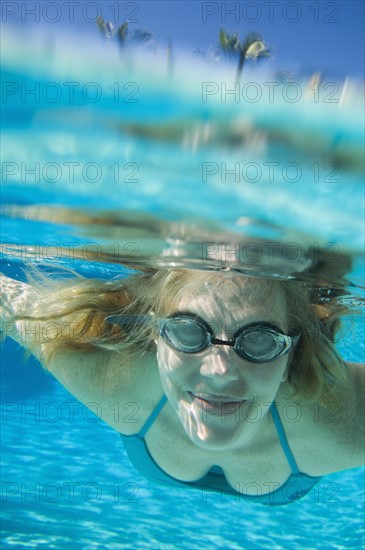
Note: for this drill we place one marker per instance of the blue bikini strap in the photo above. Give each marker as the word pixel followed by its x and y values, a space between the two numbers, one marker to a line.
pixel 283 440
pixel 154 414
pixel 275 415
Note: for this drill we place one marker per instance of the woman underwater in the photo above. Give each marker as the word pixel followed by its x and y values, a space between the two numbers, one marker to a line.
pixel 230 382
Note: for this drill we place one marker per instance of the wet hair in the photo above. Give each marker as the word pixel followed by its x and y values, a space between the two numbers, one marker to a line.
pixel 75 311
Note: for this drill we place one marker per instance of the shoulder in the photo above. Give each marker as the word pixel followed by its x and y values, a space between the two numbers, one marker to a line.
pixel 347 429
pixel 123 389
pixel 328 439
pixel 354 397
pixel 357 371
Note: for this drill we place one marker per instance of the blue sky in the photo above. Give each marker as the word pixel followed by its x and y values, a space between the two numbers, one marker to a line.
pixel 319 35
pixel 304 34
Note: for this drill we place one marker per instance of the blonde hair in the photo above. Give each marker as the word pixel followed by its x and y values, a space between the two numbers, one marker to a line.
pixel 75 310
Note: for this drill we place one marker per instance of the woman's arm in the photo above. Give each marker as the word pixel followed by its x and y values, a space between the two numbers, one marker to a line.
pixel 105 381
pixel 17 297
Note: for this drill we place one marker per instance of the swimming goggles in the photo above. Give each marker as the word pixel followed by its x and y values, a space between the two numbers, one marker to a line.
pixel 257 343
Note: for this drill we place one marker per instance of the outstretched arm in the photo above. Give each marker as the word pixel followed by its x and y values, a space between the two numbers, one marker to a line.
pixel 102 377
pixel 16 298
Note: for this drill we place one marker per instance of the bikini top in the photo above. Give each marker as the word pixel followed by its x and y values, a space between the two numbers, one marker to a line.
pixel 295 487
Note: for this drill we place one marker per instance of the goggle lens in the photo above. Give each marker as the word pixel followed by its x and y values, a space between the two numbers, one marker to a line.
pixel 185 335
pixel 189 335
pixel 260 344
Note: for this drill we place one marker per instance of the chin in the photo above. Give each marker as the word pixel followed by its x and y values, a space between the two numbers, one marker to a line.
pixel 211 438
pixel 213 442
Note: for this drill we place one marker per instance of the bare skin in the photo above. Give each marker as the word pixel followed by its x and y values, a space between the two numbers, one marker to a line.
pixel 322 441
pixel 244 443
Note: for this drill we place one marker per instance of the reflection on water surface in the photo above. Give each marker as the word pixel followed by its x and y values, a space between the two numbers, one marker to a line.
pixel 181 176
pixel 139 241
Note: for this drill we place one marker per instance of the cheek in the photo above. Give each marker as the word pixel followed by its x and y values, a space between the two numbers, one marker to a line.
pixel 165 358
pixel 169 361
pixel 267 376
pixel 175 365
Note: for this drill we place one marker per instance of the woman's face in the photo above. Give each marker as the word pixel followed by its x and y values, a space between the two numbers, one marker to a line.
pixel 221 398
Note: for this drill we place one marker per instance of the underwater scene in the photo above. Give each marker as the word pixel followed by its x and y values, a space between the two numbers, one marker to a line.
pixel 124 155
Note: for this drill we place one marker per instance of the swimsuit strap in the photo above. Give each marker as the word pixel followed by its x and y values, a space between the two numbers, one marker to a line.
pixel 275 415
pixel 154 414
pixel 283 440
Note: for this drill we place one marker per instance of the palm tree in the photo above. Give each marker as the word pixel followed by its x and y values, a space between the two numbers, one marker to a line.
pixel 122 34
pixel 106 29
pixel 229 43
pixel 253 48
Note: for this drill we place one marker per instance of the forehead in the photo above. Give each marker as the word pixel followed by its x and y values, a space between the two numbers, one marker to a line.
pixel 233 298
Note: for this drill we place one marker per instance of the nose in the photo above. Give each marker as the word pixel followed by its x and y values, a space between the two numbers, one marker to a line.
pixel 218 364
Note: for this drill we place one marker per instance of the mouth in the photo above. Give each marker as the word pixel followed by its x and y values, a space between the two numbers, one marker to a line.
pixel 221 402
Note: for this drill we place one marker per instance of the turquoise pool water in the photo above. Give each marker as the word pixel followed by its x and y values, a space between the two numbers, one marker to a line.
pixel 66 480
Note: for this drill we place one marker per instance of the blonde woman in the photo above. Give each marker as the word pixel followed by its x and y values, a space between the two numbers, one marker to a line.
pixel 233 383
